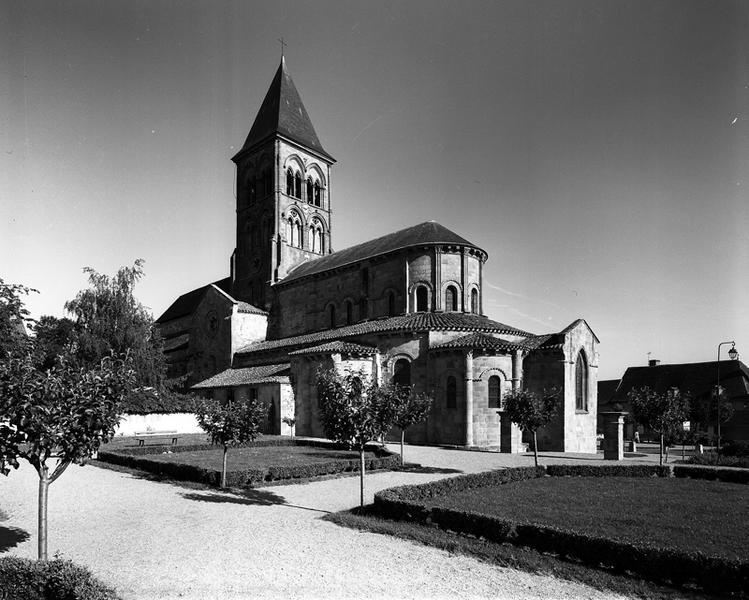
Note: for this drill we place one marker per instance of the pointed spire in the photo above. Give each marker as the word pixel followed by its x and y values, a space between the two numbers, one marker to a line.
pixel 283 113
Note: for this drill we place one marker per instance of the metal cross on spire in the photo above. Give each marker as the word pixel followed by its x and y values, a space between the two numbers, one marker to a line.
pixel 283 44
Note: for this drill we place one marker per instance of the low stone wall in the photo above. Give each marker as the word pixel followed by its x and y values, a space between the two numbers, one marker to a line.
pixel 179 422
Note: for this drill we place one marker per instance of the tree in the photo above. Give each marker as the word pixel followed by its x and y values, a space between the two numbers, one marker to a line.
pixel 354 411
pixel 64 413
pixel 13 318
pixel 664 413
pixel 53 337
pixel 531 410
pixel 412 408
pixel 230 424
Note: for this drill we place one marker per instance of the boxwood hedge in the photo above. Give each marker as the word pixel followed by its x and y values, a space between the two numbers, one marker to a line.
pixel 712 573
pixel 24 579
pixel 137 458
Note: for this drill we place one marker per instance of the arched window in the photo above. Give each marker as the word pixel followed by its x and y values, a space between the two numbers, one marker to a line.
pixel 363 306
pixel 581 382
pixel 451 392
pixel 451 298
pixel 332 316
pixel 318 195
pixel 310 191
pixel 402 373
pixel 474 301
pixel 294 230
pixel 252 190
pixel 349 312
pixel 391 304
pixel 289 182
pixel 298 185
pixel 422 299
pixel 267 181
pixel 316 237
pixel 495 392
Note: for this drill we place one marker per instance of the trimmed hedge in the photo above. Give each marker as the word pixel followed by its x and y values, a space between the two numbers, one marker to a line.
pixel 24 579
pixel 608 471
pixel 712 573
pixel 712 473
pixel 719 460
pixel 134 458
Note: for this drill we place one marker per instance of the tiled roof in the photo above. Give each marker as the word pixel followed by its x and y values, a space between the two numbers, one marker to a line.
pixel 177 342
pixel 336 347
pixel 246 307
pixel 187 303
pixel 247 376
pixel 423 321
pixel 546 341
pixel 282 112
pixel 480 341
pixel 423 233
pixel 697 378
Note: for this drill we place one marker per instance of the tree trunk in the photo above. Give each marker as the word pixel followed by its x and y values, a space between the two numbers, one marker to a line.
pixel 361 477
pixel 535 448
pixel 223 468
pixel 403 439
pixel 661 451
pixel 43 491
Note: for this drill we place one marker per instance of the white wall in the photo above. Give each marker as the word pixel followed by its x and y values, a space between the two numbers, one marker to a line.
pixel 180 422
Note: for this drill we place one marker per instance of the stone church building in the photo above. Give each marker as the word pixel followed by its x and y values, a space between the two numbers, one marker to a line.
pixel 407 305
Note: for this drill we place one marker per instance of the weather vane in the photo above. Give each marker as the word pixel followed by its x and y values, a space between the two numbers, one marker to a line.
pixel 282 45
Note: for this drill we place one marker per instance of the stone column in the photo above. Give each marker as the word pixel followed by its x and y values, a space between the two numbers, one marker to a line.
pixel 613 435
pixel 437 278
pixel 510 436
pixel 377 368
pixel 469 398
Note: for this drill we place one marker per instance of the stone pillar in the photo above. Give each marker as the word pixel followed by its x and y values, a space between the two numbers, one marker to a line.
pixel 377 368
pixel 437 278
pixel 613 435
pixel 469 398
pixel 510 436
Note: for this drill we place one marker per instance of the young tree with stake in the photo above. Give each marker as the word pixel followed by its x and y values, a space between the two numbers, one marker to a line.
pixel 412 408
pixel 664 412
pixel 62 414
pixel 354 411
pixel 230 424
pixel 531 411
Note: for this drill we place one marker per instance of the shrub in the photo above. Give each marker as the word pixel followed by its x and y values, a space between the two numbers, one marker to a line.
pixel 719 460
pixel 735 448
pixel 608 471
pixel 23 579
pixel 726 475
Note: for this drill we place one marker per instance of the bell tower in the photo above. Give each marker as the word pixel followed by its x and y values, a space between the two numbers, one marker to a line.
pixel 283 194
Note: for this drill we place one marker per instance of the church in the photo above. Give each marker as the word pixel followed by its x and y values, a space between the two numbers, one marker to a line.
pixel 406 306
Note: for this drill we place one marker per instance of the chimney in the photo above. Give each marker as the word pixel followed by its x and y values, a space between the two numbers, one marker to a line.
pixel 654 362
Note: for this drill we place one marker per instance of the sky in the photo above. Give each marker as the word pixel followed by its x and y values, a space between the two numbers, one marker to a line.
pixel 598 151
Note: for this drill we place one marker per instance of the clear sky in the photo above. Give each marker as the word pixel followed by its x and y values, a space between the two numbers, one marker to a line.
pixel 598 151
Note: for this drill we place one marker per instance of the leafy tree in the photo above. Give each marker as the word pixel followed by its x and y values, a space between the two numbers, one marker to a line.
pixel 64 413
pixel 412 408
pixel 13 317
pixel 531 410
pixel 354 411
pixel 230 424
pixel 664 413
pixel 53 337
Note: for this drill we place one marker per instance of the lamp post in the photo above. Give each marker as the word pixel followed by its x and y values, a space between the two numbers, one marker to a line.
pixel 733 354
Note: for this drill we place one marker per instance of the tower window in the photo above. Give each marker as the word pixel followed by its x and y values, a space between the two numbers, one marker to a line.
pixel 495 392
pixel 332 316
pixel 289 183
pixel 318 195
pixel 363 305
pixel 310 191
pixel 581 383
pixel 474 301
pixel 298 185
pixel 317 238
pixel 422 299
pixel 451 392
pixel 451 298
pixel 267 181
pixel 349 312
pixel 391 304
pixel 252 191
pixel 294 230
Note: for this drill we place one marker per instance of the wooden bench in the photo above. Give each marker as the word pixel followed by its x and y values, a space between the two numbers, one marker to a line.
pixel 142 436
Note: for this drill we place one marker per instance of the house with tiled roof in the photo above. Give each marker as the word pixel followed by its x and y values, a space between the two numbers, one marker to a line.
pixel 406 306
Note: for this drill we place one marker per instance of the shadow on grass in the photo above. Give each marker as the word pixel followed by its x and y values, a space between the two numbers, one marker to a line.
pixel 11 536
pixel 250 497
pixel 416 468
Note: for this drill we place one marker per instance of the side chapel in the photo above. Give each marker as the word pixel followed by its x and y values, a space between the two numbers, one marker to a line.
pixel 407 306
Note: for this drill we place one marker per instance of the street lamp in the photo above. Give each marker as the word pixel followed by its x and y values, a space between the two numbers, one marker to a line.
pixel 733 354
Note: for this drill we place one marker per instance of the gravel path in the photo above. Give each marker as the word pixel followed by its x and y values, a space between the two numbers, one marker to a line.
pixel 158 540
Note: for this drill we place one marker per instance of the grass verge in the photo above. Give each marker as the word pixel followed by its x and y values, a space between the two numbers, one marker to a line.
pixel 508 555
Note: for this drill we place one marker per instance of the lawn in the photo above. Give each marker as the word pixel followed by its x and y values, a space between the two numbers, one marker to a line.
pixel 262 457
pixel 693 515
